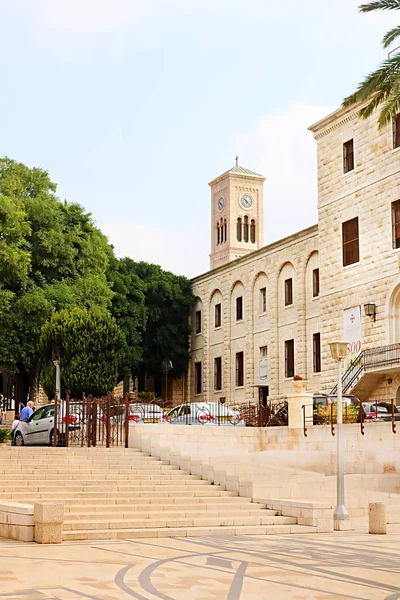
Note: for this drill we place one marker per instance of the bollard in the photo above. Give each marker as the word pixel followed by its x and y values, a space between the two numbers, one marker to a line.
pixel 377 518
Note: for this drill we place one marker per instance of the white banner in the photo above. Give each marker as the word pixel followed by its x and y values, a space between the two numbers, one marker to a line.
pixel 263 369
pixel 352 333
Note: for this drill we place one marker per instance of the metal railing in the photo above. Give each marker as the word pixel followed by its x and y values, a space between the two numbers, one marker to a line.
pixel 370 359
pixel 352 413
pixel 248 414
pixel 91 422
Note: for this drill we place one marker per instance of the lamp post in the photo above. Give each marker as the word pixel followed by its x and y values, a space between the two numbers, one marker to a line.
pixel 339 351
pixel 166 366
pixel 56 363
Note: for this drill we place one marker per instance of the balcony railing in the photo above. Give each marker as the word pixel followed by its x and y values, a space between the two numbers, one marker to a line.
pixel 368 360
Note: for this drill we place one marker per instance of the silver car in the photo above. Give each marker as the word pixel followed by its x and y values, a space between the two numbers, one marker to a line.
pixel 204 413
pixel 38 429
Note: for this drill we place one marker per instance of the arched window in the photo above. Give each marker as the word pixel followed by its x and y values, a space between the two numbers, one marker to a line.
pixel 222 231
pixel 239 229
pixel 253 231
pixel 218 234
pixel 246 229
pixel 225 238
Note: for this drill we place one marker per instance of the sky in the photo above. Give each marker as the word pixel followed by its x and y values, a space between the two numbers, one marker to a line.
pixel 133 106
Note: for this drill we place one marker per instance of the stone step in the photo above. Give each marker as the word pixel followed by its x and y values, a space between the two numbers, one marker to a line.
pixel 200 521
pixel 153 532
pixel 128 486
pixel 206 493
pixel 99 471
pixel 166 502
pixel 167 514
pixel 67 477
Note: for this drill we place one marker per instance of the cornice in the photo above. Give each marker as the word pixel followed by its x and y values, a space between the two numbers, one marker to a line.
pixel 289 240
pixel 335 120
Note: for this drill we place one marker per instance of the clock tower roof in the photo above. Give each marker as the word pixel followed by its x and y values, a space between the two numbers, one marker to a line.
pixel 239 172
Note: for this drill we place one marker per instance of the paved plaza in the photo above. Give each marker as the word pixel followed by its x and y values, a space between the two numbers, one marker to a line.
pixel 323 567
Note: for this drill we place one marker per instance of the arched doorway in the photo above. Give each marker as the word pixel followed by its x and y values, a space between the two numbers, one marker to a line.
pixel 393 316
pixel 398 397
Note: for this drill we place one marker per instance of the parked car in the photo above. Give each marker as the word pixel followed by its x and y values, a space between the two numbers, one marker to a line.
pixel 388 406
pixel 78 409
pixel 38 430
pixel 204 413
pixel 146 413
pixel 376 412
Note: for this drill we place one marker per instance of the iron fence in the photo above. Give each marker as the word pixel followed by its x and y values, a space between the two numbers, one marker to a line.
pixel 352 413
pixel 91 422
pixel 247 414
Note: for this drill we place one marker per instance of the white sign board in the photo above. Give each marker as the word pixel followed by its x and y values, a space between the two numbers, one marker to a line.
pixel 352 333
pixel 263 369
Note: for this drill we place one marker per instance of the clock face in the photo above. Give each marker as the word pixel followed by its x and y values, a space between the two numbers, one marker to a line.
pixel 221 204
pixel 246 201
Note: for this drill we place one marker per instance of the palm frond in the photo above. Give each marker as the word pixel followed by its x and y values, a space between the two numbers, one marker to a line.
pixel 390 36
pixel 380 5
pixel 391 107
pixel 380 87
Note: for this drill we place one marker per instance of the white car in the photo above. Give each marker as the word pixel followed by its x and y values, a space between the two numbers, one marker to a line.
pixel 204 413
pixel 38 430
pixel 146 413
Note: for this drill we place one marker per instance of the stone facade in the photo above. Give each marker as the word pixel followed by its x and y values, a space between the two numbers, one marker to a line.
pixel 365 192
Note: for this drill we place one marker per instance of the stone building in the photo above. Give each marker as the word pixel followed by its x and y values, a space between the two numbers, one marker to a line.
pixel 265 313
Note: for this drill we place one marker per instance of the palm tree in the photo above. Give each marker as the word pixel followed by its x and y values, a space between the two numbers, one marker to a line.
pixel 381 87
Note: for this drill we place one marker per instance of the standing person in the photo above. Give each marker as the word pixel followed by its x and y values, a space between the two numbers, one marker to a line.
pixel 14 426
pixel 1 416
pixel 27 411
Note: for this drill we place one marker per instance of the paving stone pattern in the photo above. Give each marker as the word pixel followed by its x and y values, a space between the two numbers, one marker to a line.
pixel 320 567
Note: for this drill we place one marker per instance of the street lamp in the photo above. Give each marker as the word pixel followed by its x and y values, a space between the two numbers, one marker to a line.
pixel 166 366
pixel 339 351
pixel 56 363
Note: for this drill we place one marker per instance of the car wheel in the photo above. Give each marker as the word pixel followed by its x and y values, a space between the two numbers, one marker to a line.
pixel 52 437
pixel 19 440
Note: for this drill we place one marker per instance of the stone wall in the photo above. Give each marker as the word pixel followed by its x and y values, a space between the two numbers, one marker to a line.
pixel 293 257
pixel 366 192
pixel 375 452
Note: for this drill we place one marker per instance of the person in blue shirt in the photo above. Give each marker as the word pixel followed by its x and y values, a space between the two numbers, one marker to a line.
pixel 27 411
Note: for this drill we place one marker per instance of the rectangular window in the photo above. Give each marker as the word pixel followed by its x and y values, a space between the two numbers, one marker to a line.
pixel 197 378
pixel 289 358
pixel 263 352
pixel 239 308
pixel 263 300
pixel 239 369
pixel 217 315
pixel 317 353
pixel 198 321
pixel 288 292
pixel 350 241
pixel 396 224
pixel 315 283
pixel 348 156
pixel 218 373
pixel 396 131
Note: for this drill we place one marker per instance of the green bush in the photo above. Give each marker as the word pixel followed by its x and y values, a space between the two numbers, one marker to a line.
pixel 5 435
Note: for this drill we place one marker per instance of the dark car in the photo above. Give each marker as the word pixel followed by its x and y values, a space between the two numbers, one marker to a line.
pixel 380 411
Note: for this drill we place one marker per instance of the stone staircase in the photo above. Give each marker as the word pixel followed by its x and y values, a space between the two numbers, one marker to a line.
pixel 124 493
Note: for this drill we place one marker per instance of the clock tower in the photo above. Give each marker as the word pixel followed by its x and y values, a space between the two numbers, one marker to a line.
pixel 236 215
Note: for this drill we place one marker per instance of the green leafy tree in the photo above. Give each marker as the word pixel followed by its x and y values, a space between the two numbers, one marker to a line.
pixel 128 308
pixel 169 301
pixel 381 88
pixel 88 344
pixel 51 257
